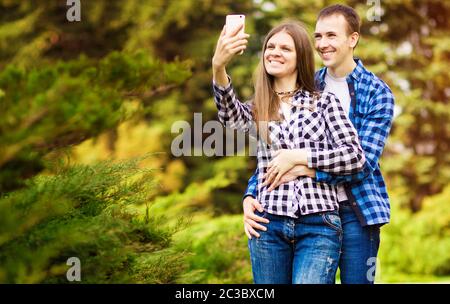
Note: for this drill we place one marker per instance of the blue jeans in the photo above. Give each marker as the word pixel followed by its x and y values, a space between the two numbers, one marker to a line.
pixel 359 248
pixel 303 250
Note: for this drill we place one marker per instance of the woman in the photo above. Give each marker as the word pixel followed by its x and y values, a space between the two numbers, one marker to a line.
pixel 294 124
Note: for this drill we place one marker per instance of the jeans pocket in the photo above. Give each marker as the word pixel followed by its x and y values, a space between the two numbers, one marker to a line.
pixel 333 220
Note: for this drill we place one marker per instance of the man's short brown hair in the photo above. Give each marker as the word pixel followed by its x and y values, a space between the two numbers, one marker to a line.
pixel 350 15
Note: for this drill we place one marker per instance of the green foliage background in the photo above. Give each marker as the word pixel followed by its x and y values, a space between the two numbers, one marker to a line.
pixel 86 111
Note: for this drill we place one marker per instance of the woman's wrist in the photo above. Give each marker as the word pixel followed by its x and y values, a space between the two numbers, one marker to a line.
pixel 300 156
pixel 220 75
pixel 217 65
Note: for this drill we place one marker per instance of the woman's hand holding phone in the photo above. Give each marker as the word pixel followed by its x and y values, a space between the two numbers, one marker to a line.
pixel 235 21
pixel 230 43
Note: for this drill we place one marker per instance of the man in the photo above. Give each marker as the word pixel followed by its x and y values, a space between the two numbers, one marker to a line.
pixel 363 199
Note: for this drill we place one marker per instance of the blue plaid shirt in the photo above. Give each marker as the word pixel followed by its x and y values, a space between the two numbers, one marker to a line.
pixel 371 112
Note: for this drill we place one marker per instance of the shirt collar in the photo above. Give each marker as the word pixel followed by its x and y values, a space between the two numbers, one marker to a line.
pixel 358 70
pixel 303 98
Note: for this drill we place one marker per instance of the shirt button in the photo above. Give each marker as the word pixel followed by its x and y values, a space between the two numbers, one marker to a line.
pixel 354 204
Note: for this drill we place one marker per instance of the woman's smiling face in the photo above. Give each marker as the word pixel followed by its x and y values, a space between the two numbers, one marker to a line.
pixel 280 56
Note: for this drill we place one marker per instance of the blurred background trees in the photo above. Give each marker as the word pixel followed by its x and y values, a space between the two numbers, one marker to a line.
pixel 109 88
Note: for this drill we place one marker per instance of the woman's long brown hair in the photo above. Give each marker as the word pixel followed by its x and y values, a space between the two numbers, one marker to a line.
pixel 265 102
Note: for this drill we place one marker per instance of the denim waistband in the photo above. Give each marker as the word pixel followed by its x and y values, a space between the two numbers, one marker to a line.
pixel 283 217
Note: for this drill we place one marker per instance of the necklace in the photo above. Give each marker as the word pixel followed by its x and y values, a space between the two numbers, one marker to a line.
pixel 286 96
pixel 287 93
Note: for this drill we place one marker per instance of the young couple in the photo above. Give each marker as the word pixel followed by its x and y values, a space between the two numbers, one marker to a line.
pixel 317 199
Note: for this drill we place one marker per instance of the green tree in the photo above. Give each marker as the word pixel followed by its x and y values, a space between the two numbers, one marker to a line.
pixel 61 84
pixel 88 212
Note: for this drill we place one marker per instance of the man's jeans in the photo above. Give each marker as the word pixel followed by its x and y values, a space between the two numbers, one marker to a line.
pixel 359 248
pixel 303 250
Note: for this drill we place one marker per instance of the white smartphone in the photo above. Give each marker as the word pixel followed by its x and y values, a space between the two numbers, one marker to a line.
pixel 234 21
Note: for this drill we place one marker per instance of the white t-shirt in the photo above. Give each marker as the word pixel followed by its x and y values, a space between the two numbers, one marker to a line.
pixel 339 87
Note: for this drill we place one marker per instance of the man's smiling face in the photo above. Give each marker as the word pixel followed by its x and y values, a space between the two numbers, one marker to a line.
pixel 333 41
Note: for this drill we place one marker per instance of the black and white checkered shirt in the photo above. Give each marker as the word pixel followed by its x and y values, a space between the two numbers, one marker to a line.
pixel 325 132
